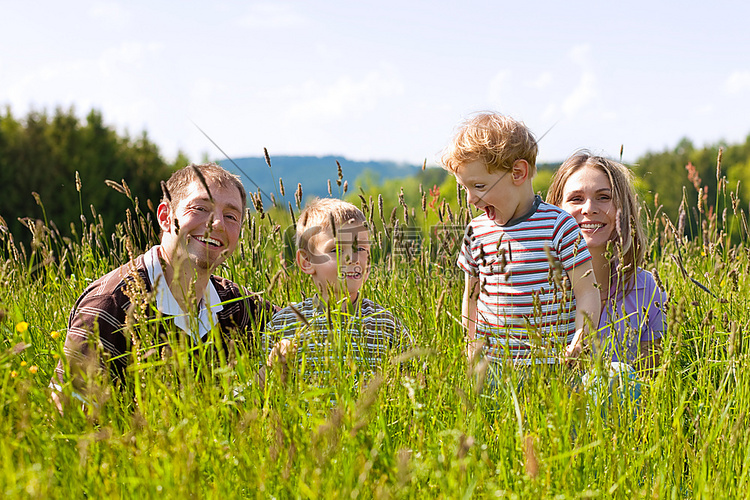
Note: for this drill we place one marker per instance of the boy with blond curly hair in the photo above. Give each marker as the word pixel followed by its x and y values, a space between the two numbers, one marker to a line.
pixel 529 292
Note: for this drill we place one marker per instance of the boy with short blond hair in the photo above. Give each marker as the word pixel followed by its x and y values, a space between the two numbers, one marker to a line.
pixel 334 249
pixel 522 257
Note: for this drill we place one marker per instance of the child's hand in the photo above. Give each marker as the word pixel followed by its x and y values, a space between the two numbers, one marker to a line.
pixel 572 353
pixel 281 352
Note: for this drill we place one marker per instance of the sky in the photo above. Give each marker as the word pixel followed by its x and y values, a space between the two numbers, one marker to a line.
pixel 385 80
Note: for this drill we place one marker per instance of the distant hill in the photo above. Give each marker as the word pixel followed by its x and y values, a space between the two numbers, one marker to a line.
pixel 313 172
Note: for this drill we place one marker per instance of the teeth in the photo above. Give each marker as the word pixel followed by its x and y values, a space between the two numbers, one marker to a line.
pixel 209 241
pixel 591 226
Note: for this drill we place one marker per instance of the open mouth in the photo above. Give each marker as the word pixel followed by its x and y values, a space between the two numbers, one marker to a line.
pixel 489 210
pixel 591 226
pixel 212 242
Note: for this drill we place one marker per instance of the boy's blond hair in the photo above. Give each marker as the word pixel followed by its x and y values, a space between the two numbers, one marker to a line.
pixel 320 214
pixel 496 140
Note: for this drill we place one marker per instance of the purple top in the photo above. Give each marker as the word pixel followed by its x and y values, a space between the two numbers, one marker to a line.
pixel 637 317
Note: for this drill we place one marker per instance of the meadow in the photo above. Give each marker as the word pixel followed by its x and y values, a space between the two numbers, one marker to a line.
pixel 420 428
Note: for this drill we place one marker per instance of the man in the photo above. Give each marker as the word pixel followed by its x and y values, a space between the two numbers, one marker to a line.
pixel 201 219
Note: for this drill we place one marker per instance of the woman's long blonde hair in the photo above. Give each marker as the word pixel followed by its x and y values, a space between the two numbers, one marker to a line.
pixel 630 235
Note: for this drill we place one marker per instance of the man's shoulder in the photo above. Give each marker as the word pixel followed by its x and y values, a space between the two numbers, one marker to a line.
pixel 226 288
pixel 116 281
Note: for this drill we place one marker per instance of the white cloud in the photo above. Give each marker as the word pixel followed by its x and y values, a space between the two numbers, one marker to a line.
pixel 271 15
pixel 346 96
pixel 583 96
pixel 738 82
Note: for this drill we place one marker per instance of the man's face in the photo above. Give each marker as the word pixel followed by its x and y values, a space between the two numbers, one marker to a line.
pixel 339 265
pixel 199 230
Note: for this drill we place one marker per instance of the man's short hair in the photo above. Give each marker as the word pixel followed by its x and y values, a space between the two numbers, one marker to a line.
pixel 494 139
pixel 318 216
pixel 180 181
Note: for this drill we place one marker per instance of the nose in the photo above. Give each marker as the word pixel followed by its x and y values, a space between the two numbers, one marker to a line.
pixel 471 198
pixel 589 207
pixel 217 221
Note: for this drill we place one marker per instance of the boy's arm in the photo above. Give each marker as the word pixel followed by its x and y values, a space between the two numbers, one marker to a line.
pixel 588 306
pixel 469 315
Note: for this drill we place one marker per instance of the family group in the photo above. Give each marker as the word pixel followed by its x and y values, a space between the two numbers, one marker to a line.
pixel 545 280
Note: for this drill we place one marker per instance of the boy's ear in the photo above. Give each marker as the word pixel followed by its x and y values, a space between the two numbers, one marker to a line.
pixel 164 216
pixel 304 263
pixel 520 172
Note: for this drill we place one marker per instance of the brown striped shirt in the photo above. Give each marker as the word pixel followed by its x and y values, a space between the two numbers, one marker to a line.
pixel 98 319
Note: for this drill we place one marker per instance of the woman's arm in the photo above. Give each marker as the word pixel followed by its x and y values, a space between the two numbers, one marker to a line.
pixel 588 306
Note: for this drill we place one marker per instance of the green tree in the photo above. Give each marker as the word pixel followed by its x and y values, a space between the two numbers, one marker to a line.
pixel 48 154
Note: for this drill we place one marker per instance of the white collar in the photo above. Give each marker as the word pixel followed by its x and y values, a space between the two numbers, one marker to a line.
pixel 168 305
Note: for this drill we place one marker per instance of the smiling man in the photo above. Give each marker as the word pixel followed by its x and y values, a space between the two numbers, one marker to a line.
pixel 201 219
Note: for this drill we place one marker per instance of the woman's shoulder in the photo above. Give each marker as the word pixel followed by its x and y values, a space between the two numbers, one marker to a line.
pixel 644 278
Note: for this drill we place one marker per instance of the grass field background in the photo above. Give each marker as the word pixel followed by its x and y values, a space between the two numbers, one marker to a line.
pixel 422 431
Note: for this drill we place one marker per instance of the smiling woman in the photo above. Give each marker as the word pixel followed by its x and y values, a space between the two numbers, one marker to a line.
pixel 599 194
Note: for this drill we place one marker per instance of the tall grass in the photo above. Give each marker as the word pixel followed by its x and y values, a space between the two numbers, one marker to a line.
pixel 185 428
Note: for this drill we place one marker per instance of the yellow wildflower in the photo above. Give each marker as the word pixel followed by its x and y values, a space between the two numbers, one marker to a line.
pixel 33 369
pixel 23 363
pixel 13 374
pixel 55 356
pixel 22 327
pixel 55 334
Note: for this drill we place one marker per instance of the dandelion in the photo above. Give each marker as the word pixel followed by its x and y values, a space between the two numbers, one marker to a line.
pixel 33 369
pixel 13 374
pixel 23 363
pixel 22 327
pixel 55 335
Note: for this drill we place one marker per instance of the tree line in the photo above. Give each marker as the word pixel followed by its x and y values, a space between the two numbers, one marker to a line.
pixel 56 167
pixel 66 172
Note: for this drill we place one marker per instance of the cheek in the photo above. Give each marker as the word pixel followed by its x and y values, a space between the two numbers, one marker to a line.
pixel 571 209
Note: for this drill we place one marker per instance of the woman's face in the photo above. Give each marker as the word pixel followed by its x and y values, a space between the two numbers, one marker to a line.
pixel 587 196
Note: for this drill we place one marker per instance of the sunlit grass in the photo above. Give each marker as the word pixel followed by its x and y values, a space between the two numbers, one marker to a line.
pixel 199 426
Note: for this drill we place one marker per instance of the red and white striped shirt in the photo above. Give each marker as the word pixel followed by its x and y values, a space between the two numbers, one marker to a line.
pixel 526 308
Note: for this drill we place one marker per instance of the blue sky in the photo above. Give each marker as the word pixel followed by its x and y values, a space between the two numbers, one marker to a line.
pixel 386 79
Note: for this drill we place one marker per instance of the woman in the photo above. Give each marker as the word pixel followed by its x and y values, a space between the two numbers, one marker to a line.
pixel 599 194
